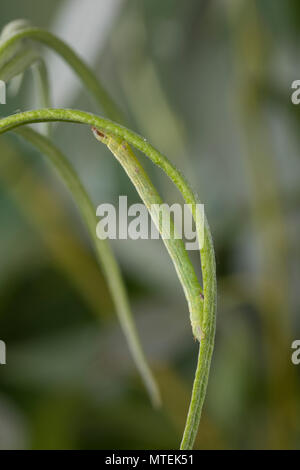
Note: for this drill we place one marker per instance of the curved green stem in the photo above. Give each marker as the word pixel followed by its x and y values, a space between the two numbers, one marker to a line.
pixel 86 75
pixel 7 32
pixel 207 251
pixel 103 251
pixel 21 61
pixel 21 55
pixel 41 79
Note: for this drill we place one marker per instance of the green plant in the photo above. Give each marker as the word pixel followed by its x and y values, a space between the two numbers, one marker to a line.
pixel 202 302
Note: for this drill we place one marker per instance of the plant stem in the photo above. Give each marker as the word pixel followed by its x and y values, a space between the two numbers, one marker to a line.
pixel 41 79
pixel 21 61
pixel 75 62
pixel 103 251
pixel 207 251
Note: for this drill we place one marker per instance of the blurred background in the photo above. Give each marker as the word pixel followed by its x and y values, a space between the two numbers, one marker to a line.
pixel 209 83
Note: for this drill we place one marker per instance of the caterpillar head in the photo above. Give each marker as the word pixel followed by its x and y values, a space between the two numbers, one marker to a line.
pixel 100 135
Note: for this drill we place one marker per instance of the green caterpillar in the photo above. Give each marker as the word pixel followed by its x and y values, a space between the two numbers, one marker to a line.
pixel 184 268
